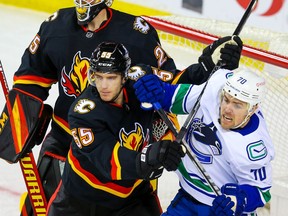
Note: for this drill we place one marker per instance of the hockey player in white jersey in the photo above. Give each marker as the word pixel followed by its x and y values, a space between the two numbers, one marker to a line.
pixel 229 137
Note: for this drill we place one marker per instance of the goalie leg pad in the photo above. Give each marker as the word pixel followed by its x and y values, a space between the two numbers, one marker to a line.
pixel 50 171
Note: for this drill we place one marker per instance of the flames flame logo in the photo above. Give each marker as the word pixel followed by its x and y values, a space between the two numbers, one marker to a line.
pixel 135 138
pixel 75 81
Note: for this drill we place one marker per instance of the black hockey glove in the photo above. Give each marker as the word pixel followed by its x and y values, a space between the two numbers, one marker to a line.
pixel 226 50
pixel 156 156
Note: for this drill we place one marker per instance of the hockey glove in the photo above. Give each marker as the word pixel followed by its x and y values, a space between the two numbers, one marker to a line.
pixel 149 88
pixel 238 196
pixel 156 156
pixel 222 206
pixel 226 50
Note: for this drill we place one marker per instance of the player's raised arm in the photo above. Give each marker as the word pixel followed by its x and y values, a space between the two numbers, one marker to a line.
pixel 225 51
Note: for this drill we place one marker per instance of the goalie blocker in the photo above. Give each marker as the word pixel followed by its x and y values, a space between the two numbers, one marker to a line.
pixel 23 124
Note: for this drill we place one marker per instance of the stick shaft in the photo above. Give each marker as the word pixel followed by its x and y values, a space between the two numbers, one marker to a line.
pixel 245 17
pixel 3 81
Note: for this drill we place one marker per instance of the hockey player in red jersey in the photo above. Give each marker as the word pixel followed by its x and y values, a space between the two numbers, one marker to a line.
pixel 60 53
pixel 112 160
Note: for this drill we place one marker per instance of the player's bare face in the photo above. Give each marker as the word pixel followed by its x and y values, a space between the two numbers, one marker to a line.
pixel 232 111
pixel 109 85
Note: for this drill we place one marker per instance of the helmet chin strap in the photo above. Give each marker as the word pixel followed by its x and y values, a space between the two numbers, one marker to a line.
pixel 243 122
pixel 249 114
pixel 247 117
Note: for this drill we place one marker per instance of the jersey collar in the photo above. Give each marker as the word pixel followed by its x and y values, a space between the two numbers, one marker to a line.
pixel 251 126
pixel 103 24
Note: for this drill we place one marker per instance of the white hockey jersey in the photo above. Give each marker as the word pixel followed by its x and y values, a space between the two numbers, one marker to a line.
pixel 240 156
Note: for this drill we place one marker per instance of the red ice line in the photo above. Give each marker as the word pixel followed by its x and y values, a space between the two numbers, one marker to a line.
pixel 7 190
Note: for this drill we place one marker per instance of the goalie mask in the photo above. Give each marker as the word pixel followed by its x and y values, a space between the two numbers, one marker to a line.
pixel 87 10
pixel 109 57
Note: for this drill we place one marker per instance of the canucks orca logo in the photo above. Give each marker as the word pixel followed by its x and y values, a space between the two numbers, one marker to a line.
pixel 205 134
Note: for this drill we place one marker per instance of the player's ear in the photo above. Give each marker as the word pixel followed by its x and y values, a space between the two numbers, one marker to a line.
pixel 124 79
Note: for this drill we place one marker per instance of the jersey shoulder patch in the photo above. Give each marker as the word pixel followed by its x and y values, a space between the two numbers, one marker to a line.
pixel 141 25
pixel 257 150
pixel 52 17
pixel 84 106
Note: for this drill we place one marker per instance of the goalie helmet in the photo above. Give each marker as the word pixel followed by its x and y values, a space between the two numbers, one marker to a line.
pixel 87 10
pixel 109 57
pixel 246 86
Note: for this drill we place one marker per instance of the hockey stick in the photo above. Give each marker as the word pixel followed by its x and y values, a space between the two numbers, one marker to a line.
pixel 190 154
pixel 180 136
pixel 195 108
pixel 28 167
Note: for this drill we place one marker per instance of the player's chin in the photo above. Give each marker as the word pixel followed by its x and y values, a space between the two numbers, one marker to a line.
pixel 105 96
pixel 226 124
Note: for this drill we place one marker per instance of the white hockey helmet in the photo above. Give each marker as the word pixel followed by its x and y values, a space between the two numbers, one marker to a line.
pixel 86 10
pixel 246 86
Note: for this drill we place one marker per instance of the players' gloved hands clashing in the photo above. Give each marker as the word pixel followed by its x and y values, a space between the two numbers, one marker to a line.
pixel 149 88
pixel 158 155
pixel 227 50
pixel 233 201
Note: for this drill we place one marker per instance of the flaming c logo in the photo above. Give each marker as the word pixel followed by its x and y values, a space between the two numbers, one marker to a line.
pixel 267 7
pixel 75 81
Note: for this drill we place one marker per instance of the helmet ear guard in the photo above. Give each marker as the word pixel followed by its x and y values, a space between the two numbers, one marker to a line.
pixel 91 77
